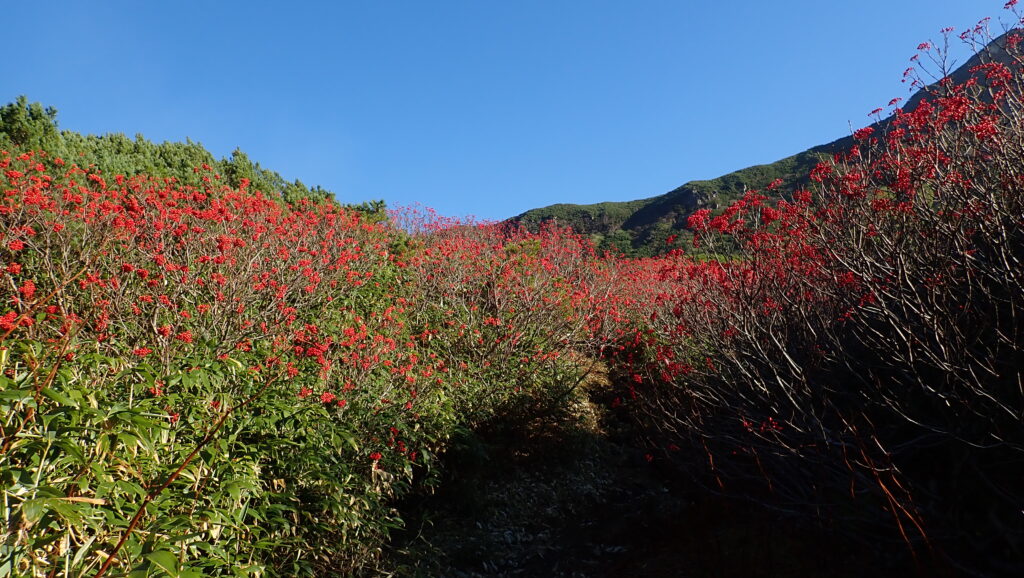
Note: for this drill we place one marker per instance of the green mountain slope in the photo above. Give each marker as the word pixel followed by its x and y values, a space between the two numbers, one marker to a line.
pixel 644 227
pixel 657 224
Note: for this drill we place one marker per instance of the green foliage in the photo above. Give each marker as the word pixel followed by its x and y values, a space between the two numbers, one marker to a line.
pixel 200 379
pixel 32 126
pixel 640 228
pixel 215 383
pixel 89 450
pixel 28 125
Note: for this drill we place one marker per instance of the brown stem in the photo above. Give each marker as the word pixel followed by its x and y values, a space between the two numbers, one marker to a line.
pixel 39 303
pixel 177 472
pixel 38 389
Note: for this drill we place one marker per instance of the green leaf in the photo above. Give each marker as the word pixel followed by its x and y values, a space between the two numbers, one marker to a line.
pixel 350 439
pixel 34 509
pixel 80 554
pixel 165 560
pixel 21 395
pixel 72 449
pixel 233 491
pixel 68 510
pixel 130 487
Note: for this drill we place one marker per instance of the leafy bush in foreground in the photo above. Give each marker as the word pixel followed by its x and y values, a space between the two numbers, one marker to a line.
pixel 208 380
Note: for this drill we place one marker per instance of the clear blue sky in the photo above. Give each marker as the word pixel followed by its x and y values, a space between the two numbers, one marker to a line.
pixel 480 107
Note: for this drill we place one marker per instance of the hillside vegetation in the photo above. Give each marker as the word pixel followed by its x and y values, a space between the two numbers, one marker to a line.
pixel 657 225
pixel 32 126
pixel 199 376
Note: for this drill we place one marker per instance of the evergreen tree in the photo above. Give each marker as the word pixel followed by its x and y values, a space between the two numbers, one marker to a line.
pixel 28 125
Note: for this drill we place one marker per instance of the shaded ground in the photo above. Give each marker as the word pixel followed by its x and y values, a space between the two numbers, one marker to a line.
pixel 568 496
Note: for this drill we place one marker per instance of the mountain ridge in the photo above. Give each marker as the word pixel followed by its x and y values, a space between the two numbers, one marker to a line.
pixel 656 224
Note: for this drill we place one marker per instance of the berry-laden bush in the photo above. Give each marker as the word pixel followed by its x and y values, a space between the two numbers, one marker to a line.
pixel 209 381
pixel 858 352
pixel 511 317
pixel 173 388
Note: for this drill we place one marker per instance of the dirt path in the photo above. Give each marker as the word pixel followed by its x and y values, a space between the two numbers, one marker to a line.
pixel 569 498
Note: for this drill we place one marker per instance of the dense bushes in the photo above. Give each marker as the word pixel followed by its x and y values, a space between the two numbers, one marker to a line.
pixel 200 379
pixel 858 352
pixel 210 381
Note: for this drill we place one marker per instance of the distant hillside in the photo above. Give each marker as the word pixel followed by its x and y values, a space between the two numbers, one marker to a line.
pixel 28 125
pixel 644 227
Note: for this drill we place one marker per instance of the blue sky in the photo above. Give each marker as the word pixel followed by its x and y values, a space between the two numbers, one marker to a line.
pixel 477 106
